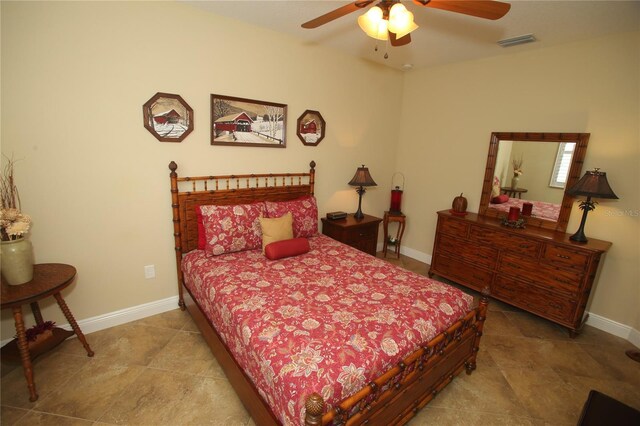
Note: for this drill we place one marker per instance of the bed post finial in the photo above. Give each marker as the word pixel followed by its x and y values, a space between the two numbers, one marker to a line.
pixel 314 408
pixel 312 177
pixel 173 166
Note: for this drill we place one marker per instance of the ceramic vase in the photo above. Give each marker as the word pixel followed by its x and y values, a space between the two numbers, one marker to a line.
pixel 17 261
pixel 514 181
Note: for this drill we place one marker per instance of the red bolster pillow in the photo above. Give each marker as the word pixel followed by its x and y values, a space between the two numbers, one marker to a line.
pixel 502 198
pixel 286 248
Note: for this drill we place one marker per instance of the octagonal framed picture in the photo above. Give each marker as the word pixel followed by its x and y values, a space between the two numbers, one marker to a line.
pixel 311 127
pixel 168 117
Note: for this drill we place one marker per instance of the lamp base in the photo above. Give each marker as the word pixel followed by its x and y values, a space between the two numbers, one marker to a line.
pixel 358 215
pixel 579 237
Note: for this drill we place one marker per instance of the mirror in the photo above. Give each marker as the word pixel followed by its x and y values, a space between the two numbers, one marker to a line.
pixel 543 164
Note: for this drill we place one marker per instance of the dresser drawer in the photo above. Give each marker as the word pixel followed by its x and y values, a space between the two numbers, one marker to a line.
pixel 532 298
pixel 563 279
pixel 459 271
pixel 453 227
pixel 555 254
pixel 504 240
pixel 475 255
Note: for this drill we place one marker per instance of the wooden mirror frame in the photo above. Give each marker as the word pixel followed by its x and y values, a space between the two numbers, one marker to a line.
pixel 581 140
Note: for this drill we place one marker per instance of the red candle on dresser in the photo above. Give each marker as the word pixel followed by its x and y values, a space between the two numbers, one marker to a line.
pixel 514 214
pixel 527 208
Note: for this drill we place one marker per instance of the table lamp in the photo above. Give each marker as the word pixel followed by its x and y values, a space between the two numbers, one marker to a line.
pixel 361 179
pixel 592 184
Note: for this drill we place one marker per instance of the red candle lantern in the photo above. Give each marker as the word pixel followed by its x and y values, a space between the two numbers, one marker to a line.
pixel 514 214
pixel 396 196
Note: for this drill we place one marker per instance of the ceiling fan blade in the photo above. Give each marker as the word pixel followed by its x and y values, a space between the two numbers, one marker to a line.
pixel 337 13
pixel 481 8
pixel 399 41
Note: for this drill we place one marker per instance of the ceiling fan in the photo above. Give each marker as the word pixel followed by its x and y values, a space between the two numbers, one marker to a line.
pixel 389 19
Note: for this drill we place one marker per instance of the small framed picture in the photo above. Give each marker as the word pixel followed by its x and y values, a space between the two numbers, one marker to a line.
pixel 168 117
pixel 247 122
pixel 310 128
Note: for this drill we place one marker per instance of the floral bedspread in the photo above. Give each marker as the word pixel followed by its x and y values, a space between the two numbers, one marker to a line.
pixel 328 321
pixel 541 209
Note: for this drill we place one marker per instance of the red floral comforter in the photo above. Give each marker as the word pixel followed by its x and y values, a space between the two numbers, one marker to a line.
pixel 328 321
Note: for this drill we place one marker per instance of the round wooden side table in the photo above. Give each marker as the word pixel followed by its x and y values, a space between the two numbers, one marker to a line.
pixel 513 192
pixel 388 239
pixel 49 279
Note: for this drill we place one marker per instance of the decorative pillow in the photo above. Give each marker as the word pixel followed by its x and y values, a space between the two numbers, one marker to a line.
pixel 202 239
pixel 232 228
pixel 304 211
pixel 502 198
pixel 276 229
pixel 495 189
pixel 286 248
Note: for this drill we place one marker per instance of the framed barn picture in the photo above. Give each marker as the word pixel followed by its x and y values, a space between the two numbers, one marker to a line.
pixel 168 117
pixel 247 122
pixel 310 128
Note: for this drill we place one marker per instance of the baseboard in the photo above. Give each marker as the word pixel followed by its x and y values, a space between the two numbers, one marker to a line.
pixel 615 328
pixel 122 316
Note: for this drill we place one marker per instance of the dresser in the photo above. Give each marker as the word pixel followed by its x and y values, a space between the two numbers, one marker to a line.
pixel 358 233
pixel 538 270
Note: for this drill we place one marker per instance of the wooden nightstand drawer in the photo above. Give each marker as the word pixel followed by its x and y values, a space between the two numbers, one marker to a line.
pixel 360 234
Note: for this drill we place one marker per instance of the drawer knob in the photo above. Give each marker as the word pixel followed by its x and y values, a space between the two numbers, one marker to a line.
pixel 562 256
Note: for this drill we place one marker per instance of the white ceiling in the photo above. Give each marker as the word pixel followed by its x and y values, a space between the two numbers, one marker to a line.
pixel 443 36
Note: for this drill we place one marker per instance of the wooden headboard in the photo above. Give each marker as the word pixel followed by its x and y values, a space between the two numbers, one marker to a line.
pixel 187 193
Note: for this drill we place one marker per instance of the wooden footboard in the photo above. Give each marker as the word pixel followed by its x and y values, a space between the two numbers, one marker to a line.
pixel 397 395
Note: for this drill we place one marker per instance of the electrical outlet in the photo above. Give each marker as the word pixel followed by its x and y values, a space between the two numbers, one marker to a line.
pixel 150 271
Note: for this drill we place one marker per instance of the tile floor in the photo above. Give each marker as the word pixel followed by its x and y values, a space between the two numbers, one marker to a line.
pixel 159 371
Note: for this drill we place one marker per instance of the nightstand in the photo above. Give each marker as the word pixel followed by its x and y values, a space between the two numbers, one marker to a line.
pixel 361 234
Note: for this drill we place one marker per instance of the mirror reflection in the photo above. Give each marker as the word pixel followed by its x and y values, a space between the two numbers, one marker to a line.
pixel 532 172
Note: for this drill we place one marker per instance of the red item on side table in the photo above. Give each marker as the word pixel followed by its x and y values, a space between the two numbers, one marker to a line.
pixel 527 208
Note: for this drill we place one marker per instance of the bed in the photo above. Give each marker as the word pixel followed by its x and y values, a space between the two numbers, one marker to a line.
pixel 540 209
pixel 282 342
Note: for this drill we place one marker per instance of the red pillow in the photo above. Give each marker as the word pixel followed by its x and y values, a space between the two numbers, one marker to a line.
pixel 232 228
pixel 502 198
pixel 202 239
pixel 286 248
pixel 304 211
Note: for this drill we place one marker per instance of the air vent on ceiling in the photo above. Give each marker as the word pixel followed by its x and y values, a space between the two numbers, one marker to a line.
pixel 513 41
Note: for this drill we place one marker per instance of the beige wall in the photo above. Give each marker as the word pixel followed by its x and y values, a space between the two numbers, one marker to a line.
pixel 589 87
pixel 74 78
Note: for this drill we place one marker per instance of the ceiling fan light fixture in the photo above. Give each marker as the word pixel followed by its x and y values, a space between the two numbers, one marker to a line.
pixel 401 20
pixel 373 24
